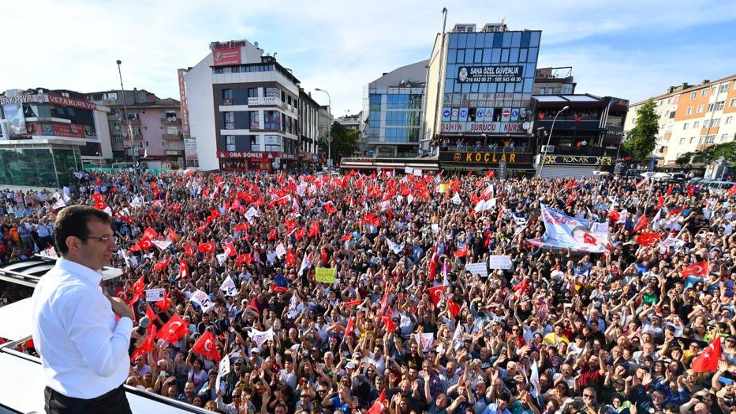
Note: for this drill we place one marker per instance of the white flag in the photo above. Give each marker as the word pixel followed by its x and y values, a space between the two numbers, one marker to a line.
pixel 456 199
pixel 425 340
pixel 252 212
pixel 222 370
pixel 457 337
pixel 534 379
pixel 409 199
pixel 161 244
pixel 394 247
pixel 280 250
pixel 221 258
pixel 201 299
pixel 60 203
pixel 305 264
pixel 260 337
pixel 228 286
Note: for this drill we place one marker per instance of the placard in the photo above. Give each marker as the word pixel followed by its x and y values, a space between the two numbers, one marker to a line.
pixel 479 269
pixel 499 262
pixel 325 274
pixel 154 295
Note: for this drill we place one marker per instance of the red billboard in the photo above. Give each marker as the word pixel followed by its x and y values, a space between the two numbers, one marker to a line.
pixel 226 56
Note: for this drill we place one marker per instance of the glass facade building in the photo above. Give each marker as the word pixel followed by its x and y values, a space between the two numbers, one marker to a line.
pixel 39 166
pixel 488 82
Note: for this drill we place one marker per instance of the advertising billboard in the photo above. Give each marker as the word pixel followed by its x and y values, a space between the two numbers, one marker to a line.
pixel 15 122
pixel 490 74
pixel 223 56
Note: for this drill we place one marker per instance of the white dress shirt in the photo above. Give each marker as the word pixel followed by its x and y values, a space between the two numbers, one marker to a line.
pixel 84 350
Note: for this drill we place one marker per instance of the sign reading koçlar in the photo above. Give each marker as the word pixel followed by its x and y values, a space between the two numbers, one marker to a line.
pixel 490 74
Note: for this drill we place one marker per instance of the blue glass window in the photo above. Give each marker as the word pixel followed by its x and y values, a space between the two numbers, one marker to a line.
pixel 470 43
pixel 478 57
pixel 515 39
pixel 496 56
pixel 514 55
pixel 504 55
pixel 461 39
pixel 451 55
pixel 532 56
pixel 453 41
pixel 449 84
pixel 507 39
pixel 522 55
pixel 460 56
pixel 497 40
pixel 525 36
pixel 534 40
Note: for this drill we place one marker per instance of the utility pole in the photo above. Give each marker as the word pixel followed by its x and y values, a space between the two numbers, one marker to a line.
pixel 125 114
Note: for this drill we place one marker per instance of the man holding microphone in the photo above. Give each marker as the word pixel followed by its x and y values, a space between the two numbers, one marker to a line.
pixel 83 346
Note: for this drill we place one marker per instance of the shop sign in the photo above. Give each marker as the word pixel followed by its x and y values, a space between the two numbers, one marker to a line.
pixel 552 159
pixel 484 127
pixel 490 74
pixel 486 157
pixel 223 56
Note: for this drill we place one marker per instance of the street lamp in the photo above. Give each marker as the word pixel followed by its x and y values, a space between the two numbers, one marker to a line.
pixel 125 115
pixel 329 129
pixel 549 137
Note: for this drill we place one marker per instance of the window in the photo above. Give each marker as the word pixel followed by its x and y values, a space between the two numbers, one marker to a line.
pixel 228 120
pixel 733 103
pixel 719 105
pixel 696 124
pixel 693 94
pixel 723 87
pixel 252 92
pixel 273 93
pixel 692 139
pixel 704 91
pixel 272 120
pixel 684 126
pixel 710 139
pixel 227 96
pixel 710 108
pixel 689 110
pixel 672 114
pixel 728 120
pixel 230 142
pixel 700 108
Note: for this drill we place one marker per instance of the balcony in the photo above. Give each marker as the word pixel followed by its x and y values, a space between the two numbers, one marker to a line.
pixel 173 146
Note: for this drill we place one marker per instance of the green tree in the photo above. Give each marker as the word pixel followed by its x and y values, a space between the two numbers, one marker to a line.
pixel 727 151
pixel 641 140
pixel 344 142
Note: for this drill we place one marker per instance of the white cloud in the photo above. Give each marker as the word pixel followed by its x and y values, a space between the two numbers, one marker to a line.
pixel 336 45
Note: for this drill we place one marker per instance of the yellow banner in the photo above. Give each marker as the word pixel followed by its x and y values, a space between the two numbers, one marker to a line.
pixel 325 274
pixel 444 187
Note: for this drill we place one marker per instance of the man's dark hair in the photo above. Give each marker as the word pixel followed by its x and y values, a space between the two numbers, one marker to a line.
pixel 72 221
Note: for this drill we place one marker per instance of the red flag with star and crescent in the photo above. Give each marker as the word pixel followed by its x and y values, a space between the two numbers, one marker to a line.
pixel 696 269
pixel 707 361
pixel 174 329
pixel 147 345
pixel 206 346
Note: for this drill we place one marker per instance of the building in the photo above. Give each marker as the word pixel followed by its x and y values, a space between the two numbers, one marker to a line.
pixel 393 112
pixel 584 133
pixel 325 128
pixel 691 117
pixel 308 128
pixel 478 92
pixel 45 135
pixel 353 122
pixel 242 109
pixel 554 81
pixel 155 124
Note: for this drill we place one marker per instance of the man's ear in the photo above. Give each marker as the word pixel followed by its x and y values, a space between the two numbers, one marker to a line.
pixel 73 242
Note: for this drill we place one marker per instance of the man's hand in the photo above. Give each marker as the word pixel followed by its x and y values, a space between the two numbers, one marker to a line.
pixel 120 308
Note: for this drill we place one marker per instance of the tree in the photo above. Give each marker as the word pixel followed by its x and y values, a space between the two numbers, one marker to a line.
pixel 344 142
pixel 727 151
pixel 642 139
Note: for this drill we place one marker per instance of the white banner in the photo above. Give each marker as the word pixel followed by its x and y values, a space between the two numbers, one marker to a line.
pixel 418 172
pixel 252 212
pixel 161 244
pixel 425 340
pixel 280 250
pixel 456 199
pixel 477 268
pixel 484 205
pixel 394 247
pixel 228 286
pixel 260 337
pixel 222 371
pixel 154 295
pixel 408 170
pixel 221 258
pixel 201 299
pixel 499 262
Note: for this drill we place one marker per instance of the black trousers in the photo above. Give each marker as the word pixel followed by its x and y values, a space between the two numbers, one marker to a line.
pixel 112 402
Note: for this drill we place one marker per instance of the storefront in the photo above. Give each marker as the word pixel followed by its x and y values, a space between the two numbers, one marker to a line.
pixel 504 163
pixel 260 161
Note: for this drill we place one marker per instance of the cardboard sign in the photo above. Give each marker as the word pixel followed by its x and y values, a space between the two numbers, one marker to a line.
pixel 499 262
pixel 154 295
pixel 325 274
pixel 477 269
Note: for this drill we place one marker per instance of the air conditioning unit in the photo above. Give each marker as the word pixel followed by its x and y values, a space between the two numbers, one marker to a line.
pixel 546 149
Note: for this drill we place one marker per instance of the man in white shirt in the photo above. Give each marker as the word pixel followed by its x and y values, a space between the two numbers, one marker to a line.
pixel 83 348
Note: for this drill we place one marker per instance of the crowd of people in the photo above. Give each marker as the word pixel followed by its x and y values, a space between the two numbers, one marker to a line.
pixel 350 293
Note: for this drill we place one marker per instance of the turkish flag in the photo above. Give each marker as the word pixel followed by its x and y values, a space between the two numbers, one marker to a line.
pixel 329 208
pixel 453 308
pixel 669 189
pixel 313 229
pixel 230 249
pixel 435 293
pixel 349 304
pixel 660 202
pixel 642 223
pixel 241 227
pixel 389 323
pixel 174 329
pixel 732 191
pixel 244 259
pixel 696 269
pixel 148 341
pixel 150 314
pixel 299 234
pixel 350 327
pixel 206 248
pixel 272 235
pixel 707 361
pixel 290 258
pixel 462 252
pixel 150 233
pixel 183 269
pixel 206 346
pixel 164 304
pixel 97 198
pixel 161 265
pixel 379 405
pixel 346 237
pixel 690 190
pixel 372 219
pixel 138 288
pixel 647 238
pixel 188 249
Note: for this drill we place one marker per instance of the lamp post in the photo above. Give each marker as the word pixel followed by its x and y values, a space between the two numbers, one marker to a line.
pixel 125 115
pixel 329 129
pixel 549 137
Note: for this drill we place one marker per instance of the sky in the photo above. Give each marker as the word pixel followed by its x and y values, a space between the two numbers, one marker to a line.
pixel 627 49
